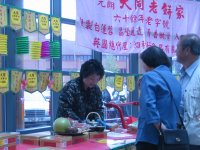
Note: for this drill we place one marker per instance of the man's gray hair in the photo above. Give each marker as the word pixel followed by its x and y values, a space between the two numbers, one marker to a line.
pixel 192 41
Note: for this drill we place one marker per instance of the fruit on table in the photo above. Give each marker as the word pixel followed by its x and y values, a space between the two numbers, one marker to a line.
pixel 61 125
pixel 72 130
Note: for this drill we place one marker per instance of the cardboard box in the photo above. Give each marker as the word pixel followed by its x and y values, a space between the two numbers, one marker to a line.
pixel 97 135
pixel 80 138
pixel 8 139
pixel 34 138
pixel 56 141
pixel 47 148
pixel 9 147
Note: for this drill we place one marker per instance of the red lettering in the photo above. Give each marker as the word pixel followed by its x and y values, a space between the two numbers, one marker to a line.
pixel 139 4
pixel 153 7
pixel 124 2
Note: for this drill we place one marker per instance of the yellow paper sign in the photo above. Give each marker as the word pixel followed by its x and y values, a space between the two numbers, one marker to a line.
pixel 3 16
pixel 16 77
pixel 4 81
pixel 131 83
pixel 57 81
pixel 32 81
pixel 43 81
pixel 102 83
pixel 44 24
pixel 119 83
pixel 55 24
pixel 74 75
pixel 29 21
pixel 15 18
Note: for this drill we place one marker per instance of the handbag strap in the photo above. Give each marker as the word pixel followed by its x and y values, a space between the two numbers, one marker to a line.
pixel 171 97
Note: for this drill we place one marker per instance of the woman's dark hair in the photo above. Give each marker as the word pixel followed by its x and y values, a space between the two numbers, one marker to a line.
pixel 90 67
pixel 154 57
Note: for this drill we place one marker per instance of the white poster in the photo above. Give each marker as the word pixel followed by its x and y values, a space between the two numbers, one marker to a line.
pixel 130 26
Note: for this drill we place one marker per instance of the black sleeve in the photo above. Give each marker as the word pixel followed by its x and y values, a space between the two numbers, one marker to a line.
pixel 65 103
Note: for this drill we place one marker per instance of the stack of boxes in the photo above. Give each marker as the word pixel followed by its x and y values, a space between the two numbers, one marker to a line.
pixel 34 138
pixel 8 141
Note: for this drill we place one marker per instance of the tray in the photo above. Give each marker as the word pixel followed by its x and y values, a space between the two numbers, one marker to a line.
pixel 72 134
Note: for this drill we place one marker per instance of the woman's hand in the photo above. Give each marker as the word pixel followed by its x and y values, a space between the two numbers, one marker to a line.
pixel 157 126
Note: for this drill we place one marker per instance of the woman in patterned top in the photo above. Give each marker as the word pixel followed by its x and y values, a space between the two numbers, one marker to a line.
pixel 82 95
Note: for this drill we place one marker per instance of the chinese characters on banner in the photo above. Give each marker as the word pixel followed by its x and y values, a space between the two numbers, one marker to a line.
pixel 29 21
pixel 43 81
pixel 16 78
pixel 130 26
pixel 57 81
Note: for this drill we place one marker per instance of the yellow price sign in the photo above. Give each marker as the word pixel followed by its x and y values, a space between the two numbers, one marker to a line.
pixel 4 79
pixel 31 78
pixel 74 75
pixel 119 83
pixel 55 24
pixel 44 24
pixel 32 81
pixel 102 83
pixel 131 83
pixel 15 18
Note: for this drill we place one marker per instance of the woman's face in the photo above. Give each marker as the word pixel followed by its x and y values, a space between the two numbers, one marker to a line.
pixel 91 81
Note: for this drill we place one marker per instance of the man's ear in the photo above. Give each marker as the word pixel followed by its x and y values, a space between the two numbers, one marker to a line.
pixel 187 50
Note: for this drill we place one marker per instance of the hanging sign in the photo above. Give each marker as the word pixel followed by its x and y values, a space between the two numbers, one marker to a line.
pixel 57 81
pixel 44 24
pixel 3 44
pixel 74 75
pixel 15 18
pixel 3 16
pixel 16 78
pixel 131 83
pixel 32 81
pixel 119 83
pixel 130 26
pixel 4 81
pixel 102 83
pixel 43 81
pixel 55 24
pixel 29 21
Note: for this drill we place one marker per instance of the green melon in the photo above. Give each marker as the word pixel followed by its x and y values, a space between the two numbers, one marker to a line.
pixel 60 125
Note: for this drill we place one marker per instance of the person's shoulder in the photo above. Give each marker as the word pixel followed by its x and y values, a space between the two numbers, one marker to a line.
pixel 73 83
pixel 96 88
pixel 149 75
